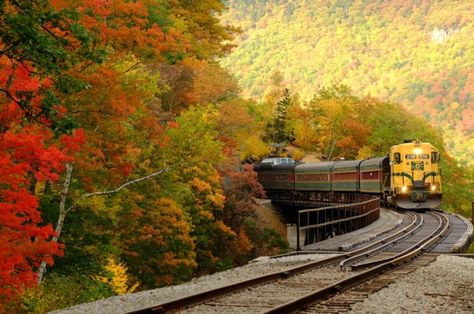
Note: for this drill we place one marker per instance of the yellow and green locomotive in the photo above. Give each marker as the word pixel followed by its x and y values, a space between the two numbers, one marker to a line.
pixel 415 179
pixel 409 177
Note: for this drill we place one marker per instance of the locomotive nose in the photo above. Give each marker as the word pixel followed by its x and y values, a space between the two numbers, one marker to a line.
pixel 418 196
pixel 418 184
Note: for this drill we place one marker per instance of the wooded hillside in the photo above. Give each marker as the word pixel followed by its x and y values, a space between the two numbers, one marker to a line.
pixel 123 145
pixel 116 131
pixel 416 53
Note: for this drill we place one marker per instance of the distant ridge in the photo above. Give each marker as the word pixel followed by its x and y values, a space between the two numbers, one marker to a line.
pixel 419 54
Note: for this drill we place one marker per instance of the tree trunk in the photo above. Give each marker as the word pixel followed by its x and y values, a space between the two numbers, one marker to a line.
pixel 62 215
pixel 333 144
pixel 62 205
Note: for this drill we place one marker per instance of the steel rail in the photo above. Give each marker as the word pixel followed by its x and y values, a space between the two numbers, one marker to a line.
pixel 386 242
pixel 344 284
pixel 422 243
pixel 436 237
pixel 465 255
pixel 182 302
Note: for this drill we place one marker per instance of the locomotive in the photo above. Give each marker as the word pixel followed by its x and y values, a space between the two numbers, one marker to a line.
pixel 409 177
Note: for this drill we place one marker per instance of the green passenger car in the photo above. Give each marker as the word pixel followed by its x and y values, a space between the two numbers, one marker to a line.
pixel 314 176
pixel 276 174
pixel 346 176
pixel 374 175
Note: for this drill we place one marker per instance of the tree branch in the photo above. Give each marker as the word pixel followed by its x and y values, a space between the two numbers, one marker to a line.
pixel 128 183
pixel 133 67
pixel 62 205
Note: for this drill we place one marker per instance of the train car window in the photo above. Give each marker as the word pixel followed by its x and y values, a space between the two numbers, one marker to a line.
pixel 268 161
pixel 434 157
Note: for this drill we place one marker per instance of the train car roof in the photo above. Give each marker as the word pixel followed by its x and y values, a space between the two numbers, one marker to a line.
pixel 324 166
pixel 413 143
pixel 346 165
pixel 373 163
pixel 275 163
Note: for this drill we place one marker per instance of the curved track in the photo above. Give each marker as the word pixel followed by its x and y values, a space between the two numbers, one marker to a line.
pixel 431 233
pixel 289 290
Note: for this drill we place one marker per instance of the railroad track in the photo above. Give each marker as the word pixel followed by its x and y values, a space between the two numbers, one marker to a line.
pixel 380 275
pixel 299 287
pixel 343 301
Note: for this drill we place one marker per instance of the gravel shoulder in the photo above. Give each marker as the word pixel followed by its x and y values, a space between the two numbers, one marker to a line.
pixel 135 301
pixel 444 286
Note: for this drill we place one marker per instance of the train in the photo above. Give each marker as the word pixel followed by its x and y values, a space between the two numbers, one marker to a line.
pixel 409 177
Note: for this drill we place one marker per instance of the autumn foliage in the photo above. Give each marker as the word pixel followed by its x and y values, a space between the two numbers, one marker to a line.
pixel 24 243
pixel 416 54
pixel 122 142
pixel 97 93
pixel 28 155
pixel 27 159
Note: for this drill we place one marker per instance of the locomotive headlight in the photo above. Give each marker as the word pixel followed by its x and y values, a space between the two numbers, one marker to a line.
pixel 404 188
pixel 433 188
pixel 417 151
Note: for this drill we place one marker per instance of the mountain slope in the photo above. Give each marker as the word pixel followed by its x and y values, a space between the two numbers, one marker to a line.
pixel 417 53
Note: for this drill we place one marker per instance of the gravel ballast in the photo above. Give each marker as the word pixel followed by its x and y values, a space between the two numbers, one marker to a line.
pixel 444 286
pixel 135 301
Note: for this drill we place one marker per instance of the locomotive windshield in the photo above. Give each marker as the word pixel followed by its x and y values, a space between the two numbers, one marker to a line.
pixel 415 156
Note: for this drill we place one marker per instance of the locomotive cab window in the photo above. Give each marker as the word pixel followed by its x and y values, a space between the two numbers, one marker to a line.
pixel 434 157
pixel 415 156
pixel 397 157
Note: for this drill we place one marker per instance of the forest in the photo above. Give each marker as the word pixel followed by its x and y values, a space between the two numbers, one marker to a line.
pixel 415 53
pixel 125 147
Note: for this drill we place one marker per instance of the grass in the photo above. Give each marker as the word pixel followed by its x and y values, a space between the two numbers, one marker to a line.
pixel 471 249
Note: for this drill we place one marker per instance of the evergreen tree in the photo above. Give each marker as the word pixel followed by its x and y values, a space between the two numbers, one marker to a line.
pixel 277 131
